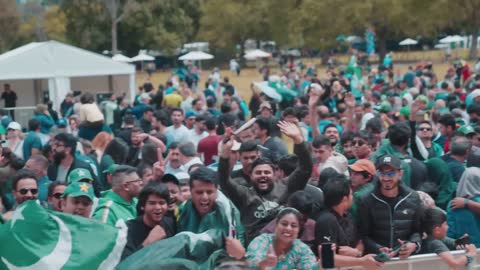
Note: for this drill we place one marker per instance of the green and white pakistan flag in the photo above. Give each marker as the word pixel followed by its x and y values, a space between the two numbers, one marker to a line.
pixel 40 239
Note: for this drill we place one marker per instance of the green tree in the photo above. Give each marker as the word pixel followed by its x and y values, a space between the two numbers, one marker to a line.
pixel 9 24
pixel 118 10
pixel 54 23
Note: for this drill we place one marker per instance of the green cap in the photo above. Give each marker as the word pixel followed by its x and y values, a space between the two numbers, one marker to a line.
pixel 422 98
pixel 405 111
pixel 466 129
pixel 77 175
pixel 77 189
pixel 385 106
pixel 460 122
pixel 111 169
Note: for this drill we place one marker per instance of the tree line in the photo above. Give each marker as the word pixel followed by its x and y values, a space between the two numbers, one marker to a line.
pixel 164 25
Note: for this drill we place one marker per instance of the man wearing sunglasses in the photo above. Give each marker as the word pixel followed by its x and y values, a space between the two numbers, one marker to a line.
pixel 421 143
pixel 25 188
pixel 390 213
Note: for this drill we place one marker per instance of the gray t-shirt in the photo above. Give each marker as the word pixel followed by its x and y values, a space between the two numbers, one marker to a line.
pixel 432 245
pixel 62 173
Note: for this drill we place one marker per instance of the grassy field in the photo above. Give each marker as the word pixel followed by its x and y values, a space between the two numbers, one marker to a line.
pixel 249 75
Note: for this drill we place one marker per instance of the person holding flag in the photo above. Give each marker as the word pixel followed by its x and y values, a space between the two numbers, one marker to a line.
pixel 78 199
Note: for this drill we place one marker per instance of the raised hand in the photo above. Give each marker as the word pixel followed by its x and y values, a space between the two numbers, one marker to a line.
pixel 291 130
pixel 350 100
pixel 270 260
pixel 234 248
pixel 226 148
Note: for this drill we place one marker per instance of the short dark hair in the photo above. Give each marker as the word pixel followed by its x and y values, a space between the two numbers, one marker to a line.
pixel 248 146
pixel 53 185
pixel 210 123
pixel 262 161
pixel 203 174
pixel 225 107
pixel 148 109
pixel 264 124
pixel 425 122
pixel 399 134
pixel 287 163
pixel 136 129
pixel 289 111
pixel 153 188
pixel 69 140
pixel 122 170
pixel 194 102
pixel 173 145
pixel 335 189
pixel 366 136
pixel 321 140
pixel 325 175
pixel 210 102
pixel 129 119
pixel 374 125
pixel 187 149
pixel 176 110
pixel 33 124
pixel 331 125
pixel 473 108
pixel 301 201
pixel 20 175
pixel 229 120
pixel 448 121
pixel 162 117
pixel 346 137
pixel 432 218
pixel 287 211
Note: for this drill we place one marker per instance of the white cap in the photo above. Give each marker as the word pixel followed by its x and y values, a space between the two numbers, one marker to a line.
pixel 236 146
pixel 145 96
pixel 15 126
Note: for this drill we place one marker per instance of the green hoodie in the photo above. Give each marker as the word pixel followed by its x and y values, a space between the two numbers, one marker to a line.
pixel 439 173
pixel 111 208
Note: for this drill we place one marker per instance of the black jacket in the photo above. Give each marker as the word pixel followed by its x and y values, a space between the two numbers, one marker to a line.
pixel 381 226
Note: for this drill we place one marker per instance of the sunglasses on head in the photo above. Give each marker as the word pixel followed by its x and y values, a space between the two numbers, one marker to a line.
pixel 24 191
pixel 358 142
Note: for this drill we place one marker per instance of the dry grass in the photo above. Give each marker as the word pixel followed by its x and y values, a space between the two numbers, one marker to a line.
pixel 249 75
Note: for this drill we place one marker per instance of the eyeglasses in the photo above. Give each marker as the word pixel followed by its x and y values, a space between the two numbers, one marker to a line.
pixel 424 129
pixel 133 181
pixel 389 174
pixel 358 142
pixel 58 145
pixel 24 191
pixel 57 195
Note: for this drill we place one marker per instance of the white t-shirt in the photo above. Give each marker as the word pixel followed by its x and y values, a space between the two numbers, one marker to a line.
pixel 178 135
pixel 365 119
pixel 195 137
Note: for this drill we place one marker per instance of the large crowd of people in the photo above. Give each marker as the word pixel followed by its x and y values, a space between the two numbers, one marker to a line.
pixel 368 161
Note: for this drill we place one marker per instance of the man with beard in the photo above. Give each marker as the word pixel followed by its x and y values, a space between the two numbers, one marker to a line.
pixel 120 203
pixel 258 205
pixel 64 146
pixel 178 132
pixel 391 213
pixel 331 132
pixel 25 188
pixel 153 225
pixel 248 154
pixel 207 208
pixel 174 165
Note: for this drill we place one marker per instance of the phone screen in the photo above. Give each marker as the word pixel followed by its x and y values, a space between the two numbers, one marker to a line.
pixel 327 256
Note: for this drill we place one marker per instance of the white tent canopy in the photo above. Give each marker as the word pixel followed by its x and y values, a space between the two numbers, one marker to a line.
pixel 121 58
pixel 254 54
pixel 59 62
pixel 450 39
pixel 408 42
pixel 142 57
pixel 196 56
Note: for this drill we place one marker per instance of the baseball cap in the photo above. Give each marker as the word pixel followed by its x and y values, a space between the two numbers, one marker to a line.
pixel 466 129
pixel 168 177
pixel 389 160
pixel 62 123
pixel 190 114
pixel 111 169
pixel 77 175
pixel 363 165
pixel 14 126
pixel 78 189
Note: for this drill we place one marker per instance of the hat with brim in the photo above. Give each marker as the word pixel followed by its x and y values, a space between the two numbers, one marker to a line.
pixel 78 189
pixel 79 175
pixel 170 178
pixel 363 165
pixel 389 160
pixel 14 126
pixel 111 169
pixel 467 129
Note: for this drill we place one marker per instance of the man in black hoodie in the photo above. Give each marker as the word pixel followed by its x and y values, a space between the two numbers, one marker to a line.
pixel 258 204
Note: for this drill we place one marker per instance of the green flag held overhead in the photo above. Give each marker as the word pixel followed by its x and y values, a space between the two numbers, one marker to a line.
pixel 184 251
pixel 40 239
